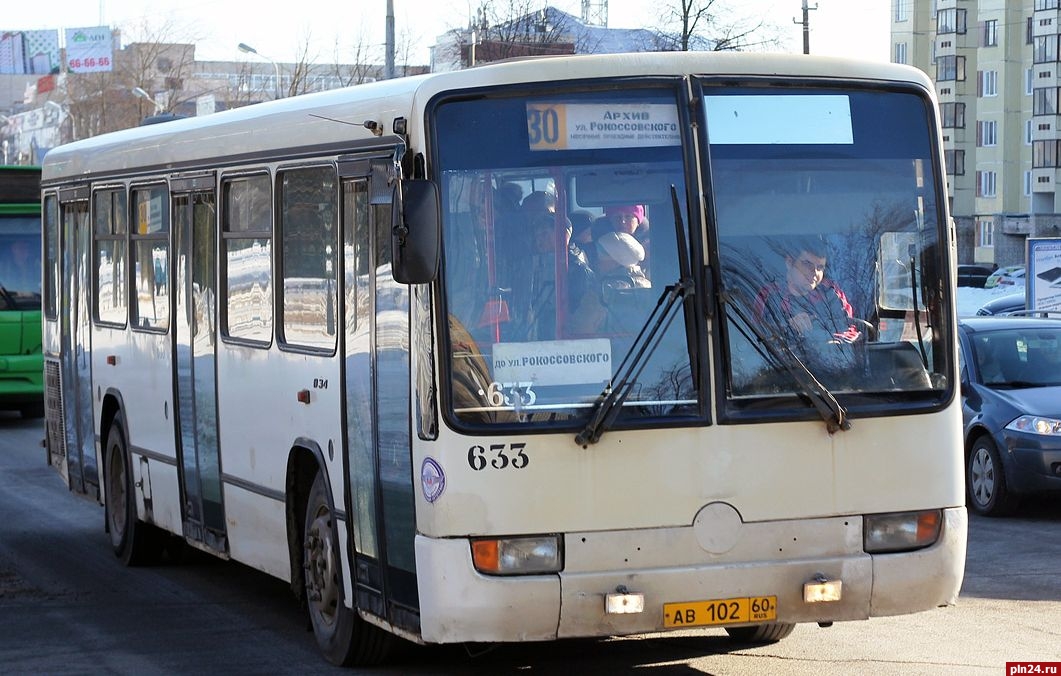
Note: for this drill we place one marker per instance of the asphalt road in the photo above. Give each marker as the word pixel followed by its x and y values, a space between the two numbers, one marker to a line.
pixel 68 607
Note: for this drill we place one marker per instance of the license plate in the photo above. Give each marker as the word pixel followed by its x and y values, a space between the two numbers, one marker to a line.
pixel 720 611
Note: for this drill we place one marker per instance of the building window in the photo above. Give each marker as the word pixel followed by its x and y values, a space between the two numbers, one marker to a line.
pixel 902 10
pixel 1045 49
pixel 987 83
pixel 986 133
pixel 1028 127
pixel 246 257
pixel 985 184
pixel 1027 184
pixel 990 33
pixel 1044 154
pixel 950 68
pixel 110 224
pixel 950 21
pixel 1044 101
pixel 953 115
pixel 985 233
pixel 955 161
pixel 309 251
pixel 1028 80
pixel 900 52
pixel 1045 4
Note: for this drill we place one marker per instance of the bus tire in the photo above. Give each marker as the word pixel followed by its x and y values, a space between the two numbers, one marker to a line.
pixel 760 633
pixel 134 542
pixel 342 636
pixel 985 480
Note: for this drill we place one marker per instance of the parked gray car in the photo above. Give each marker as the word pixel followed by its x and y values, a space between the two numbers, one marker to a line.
pixel 1011 409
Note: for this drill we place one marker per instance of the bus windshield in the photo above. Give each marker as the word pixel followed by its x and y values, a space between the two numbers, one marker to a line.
pixel 20 269
pixel 829 233
pixel 559 239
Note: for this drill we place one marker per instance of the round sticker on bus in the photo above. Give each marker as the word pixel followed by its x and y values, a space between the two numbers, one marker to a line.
pixel 432 479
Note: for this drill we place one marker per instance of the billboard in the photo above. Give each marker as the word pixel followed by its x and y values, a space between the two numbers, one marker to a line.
pixel 29 52
pixel 89 50
pixel 1043 276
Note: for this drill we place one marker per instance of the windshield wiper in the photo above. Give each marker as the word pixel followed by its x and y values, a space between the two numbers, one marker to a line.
pixel 611 399
pixel 834 415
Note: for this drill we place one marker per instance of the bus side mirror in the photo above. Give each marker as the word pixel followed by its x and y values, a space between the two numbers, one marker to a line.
pixel 415 232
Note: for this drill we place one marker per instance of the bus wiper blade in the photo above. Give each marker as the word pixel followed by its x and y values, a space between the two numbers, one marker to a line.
pixel 611 399
pixel 834 415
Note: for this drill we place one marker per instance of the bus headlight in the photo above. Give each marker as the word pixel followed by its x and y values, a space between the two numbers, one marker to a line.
pixel 517 555
pixel 901 531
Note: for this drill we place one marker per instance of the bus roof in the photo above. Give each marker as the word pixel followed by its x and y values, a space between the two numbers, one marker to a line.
pixel 336 119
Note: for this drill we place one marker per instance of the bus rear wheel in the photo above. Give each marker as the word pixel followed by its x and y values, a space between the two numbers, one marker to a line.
pixel 342 636
pixel 134 542
pixel 760 633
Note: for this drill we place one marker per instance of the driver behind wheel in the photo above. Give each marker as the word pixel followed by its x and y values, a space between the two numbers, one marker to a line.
pixel 807 310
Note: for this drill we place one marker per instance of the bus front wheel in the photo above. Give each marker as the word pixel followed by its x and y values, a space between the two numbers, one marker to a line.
pixel 134 542
pixel 342 636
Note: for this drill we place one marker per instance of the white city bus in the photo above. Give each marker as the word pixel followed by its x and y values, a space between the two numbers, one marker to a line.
pixel 397 345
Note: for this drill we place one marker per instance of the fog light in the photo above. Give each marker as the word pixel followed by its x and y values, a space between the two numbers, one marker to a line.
pixel 822 590
pixel 624 602
pixel 517 555
pixel 901 531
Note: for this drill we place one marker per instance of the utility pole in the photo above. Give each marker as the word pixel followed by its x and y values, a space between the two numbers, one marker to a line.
pixel 388 62
pixel 806 25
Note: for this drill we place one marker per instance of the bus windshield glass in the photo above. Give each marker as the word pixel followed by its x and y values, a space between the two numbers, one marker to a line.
pixel 559 239
pixel 20 269
pixel 829 232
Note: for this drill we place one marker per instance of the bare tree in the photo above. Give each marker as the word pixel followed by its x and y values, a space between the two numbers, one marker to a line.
pixel 712 25
pixel 301 80
pixel 509 28
pixel 359 69
pixel 159 63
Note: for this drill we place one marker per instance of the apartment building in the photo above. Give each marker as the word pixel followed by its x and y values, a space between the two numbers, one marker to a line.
pixel 996 67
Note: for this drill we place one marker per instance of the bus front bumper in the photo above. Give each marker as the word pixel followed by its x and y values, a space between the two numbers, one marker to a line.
pixel 667 566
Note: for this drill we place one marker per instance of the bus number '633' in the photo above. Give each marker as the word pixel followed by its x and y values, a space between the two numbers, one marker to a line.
pixel 498 456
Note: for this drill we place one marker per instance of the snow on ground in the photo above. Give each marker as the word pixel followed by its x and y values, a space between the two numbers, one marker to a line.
pixel 970 299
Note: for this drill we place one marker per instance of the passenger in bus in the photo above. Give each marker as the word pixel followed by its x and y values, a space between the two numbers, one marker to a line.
pixel 630 219
pixel 618 270
pixel 540 299
pixel 807 305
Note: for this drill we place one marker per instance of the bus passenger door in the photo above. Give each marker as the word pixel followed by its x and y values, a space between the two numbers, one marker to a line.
pixel 377 409
pixel 193 284
pixel 76 364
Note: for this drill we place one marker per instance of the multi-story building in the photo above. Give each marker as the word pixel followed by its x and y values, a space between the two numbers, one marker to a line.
pixel 996 67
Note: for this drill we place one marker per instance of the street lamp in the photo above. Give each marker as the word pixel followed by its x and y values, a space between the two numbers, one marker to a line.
pixel 144 95
pixel 247 49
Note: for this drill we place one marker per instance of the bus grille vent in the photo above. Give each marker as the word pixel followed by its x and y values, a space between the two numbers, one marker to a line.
pixel 55 414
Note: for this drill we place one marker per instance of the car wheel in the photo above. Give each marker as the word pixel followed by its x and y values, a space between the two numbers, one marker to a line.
pixel 985 480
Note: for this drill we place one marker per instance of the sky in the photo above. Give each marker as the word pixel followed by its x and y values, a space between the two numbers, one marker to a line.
pixel 858 28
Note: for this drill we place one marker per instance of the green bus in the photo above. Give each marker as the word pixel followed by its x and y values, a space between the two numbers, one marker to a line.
pixel 21 367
